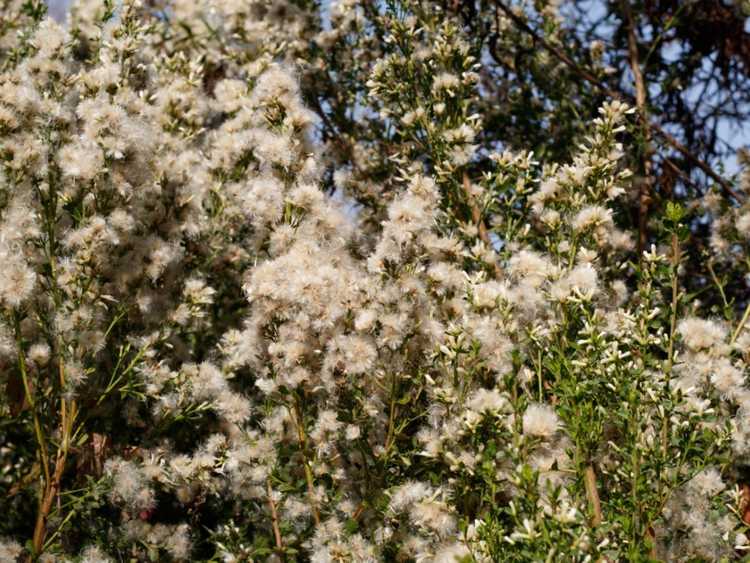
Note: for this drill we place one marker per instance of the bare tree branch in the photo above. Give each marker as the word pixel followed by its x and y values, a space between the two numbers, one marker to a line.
pixel 591 78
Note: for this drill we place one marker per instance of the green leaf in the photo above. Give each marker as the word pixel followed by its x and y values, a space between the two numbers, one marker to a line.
pixel 674 212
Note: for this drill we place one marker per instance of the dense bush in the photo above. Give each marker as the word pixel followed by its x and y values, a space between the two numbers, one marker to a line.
pixel 272 290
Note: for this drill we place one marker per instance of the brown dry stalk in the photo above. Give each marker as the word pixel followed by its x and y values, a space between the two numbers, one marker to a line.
pixel 50 493
pixel 52 484
pixel 592 494
pixel 274 517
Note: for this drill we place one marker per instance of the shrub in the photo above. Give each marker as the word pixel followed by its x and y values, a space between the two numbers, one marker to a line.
pixel 456 354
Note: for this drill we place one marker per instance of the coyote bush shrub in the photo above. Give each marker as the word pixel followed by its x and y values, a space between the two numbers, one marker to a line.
pixel 228 334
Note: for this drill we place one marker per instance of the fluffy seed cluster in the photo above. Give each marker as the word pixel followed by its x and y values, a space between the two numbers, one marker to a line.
pixel 226 336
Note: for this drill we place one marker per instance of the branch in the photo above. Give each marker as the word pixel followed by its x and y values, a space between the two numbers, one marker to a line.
pixel 589 77
pixel 589 481
pixel 726 186
pixel 68 414
pixel 741 325
pixel 476 216
pixel 302 437
pixel 274 517
pixel 641 95
pixel 50 493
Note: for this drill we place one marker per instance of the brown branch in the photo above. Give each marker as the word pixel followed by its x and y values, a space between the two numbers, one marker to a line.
pixel 592 494
pixel 641 99
pixel 50 493
pixel 274 518
pixel 685 178
pixel 726 186
pixel 591 78
pixel 476 217
pixel 53 485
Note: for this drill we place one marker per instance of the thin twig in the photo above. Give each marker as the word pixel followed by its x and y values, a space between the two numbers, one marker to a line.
pixel 274 517
pixel 302 437
pixel 696 161
pixel 476 217
pixel 680 173
pixel 391 417
pixel 31 400
pixel 740 326
pixel 716 281
pixel 676 256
